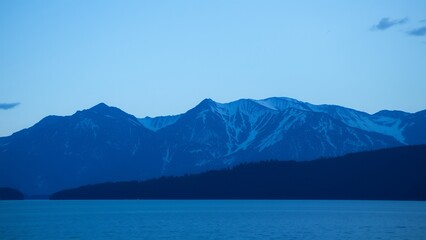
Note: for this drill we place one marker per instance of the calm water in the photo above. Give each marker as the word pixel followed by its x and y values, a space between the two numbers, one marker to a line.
pixel 214 219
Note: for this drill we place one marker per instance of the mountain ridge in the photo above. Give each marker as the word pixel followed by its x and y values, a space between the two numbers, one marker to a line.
pixel 104 143
pixel 277 104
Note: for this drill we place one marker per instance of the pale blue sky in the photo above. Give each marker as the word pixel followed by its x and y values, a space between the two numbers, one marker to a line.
pixel 153 58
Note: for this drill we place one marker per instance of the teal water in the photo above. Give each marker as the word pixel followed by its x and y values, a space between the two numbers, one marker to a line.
pixel 215 219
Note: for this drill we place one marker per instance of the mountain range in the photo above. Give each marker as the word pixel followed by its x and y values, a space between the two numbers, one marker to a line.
pixel 104 143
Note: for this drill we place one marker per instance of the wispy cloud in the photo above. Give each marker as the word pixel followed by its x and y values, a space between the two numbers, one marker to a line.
pixel 418 32
pixel 386 23
pixel 7 106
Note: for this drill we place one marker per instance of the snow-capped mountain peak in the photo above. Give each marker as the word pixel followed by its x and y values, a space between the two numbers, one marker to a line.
pixel 282 103
pixel 384 122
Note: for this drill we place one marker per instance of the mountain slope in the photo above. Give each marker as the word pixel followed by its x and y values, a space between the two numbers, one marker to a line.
pixel 214 135
pixel 106 144
pixel 390 174
pixel 99 144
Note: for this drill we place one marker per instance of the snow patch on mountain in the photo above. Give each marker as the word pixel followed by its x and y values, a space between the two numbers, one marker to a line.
pixel 288 120
pixel 166 160
pixel 158 123
pixel 87 123
pixel 384 125
pixel 281 104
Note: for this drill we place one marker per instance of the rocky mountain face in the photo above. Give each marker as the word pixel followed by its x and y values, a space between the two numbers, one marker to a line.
pixel 106 144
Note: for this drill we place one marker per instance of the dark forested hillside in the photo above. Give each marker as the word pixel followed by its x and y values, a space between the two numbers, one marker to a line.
pixel 10 194
pixel 397 173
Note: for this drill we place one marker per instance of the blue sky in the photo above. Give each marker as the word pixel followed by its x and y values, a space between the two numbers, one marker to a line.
pixel 155 58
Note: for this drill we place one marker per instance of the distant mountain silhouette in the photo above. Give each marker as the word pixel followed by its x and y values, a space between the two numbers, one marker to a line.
pixel 106 144
pixel 391 174
pixel 10 194
pixel 95 145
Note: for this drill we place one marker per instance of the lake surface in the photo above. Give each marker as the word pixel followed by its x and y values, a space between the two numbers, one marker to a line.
pixel 212 219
